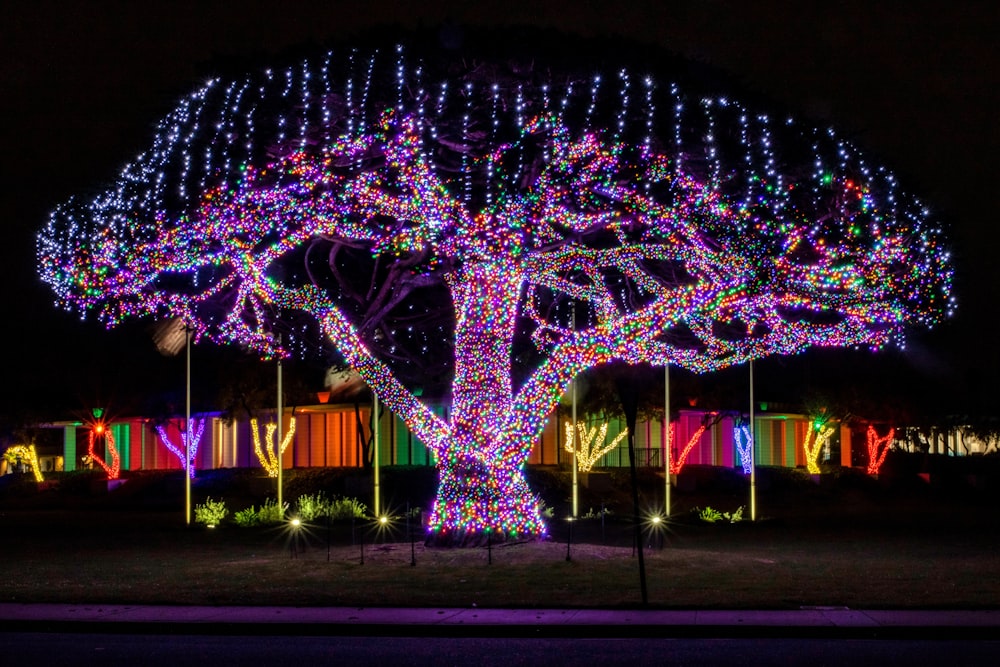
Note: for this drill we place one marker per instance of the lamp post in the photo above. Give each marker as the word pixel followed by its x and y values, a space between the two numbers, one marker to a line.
pixel 576 479
pixel 187 430
pixel 666 437
pixel 278 438
pixel 375 456
pixel 296 524
pixel 753 455
pixel 169 337
pixel 569 536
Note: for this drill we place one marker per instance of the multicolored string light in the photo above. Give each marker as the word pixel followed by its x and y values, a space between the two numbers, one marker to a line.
pixel 684 229
pixel 187 460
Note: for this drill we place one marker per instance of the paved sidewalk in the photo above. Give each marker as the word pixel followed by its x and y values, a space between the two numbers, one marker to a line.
pixel 812 621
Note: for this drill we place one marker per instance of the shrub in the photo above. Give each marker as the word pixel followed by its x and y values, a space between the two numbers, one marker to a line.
pixel 591 514
pixel 270 512
pixel 308 507
pixel 346 508
pixel 710 515
pixel 211 513
pixel 247 518
pixel 543 509
pixel 311 506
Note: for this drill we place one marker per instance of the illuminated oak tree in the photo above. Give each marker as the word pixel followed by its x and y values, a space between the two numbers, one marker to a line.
pixel 438 222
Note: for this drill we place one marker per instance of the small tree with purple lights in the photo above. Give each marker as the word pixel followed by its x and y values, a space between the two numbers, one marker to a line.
pixel 441 227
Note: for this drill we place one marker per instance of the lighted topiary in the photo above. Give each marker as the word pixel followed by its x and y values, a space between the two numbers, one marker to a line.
pixel 590 445
pixel 816 439
pixel 187 454
pixel 28 455
pixel 436 218
pixel 99 432
pixel 878 447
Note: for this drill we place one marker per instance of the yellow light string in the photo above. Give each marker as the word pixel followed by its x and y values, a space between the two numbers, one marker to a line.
pixel 816 438
pixel 266 456
pixel 587 455
pixel 26 453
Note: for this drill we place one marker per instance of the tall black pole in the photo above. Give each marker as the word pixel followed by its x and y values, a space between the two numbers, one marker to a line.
pixel 635 515
pixel 628 393
pixel 187 429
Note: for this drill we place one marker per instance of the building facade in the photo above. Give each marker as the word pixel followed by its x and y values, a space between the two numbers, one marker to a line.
pixel 336 435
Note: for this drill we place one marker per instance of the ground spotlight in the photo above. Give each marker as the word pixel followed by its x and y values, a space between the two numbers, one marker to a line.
pixel 656 523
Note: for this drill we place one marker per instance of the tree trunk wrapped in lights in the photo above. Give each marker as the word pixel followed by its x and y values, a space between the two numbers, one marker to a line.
pixel 268 455
pixel 26 454
pixel 186 454
pixel 589 444
pixel 878 447
pixel 436 219
pixel 112 467
pixel 817 436
pixel 744 447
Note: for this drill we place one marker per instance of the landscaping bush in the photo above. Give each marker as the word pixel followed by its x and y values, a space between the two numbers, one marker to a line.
pixel 211 513
pixel 310 506
pixel 591 514
pixel 711 515
pixel 270 512
pixel 347 508
pixel 247 518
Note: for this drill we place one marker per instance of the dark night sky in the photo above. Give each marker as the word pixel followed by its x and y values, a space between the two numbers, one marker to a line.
pixel 83 83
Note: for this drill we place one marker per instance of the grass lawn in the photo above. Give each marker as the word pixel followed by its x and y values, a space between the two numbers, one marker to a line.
pixel 843 546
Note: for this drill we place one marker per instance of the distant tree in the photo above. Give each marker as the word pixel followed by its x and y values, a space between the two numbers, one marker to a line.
pixel 186 453
pixel 878 447
pixel 679 455
pixel 438 218
pixel 249 390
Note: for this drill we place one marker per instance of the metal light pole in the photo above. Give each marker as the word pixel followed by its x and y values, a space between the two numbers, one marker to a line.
pixel 666 436
pixel 375 455
pixel 753 455
pixel 576 480
pixel 187 429
pixel 277 443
